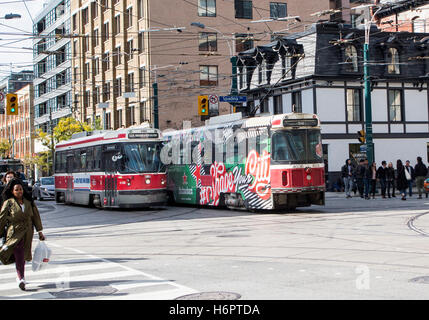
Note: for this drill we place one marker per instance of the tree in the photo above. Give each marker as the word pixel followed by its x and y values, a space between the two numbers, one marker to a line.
pixel 63 131
pixel 5 146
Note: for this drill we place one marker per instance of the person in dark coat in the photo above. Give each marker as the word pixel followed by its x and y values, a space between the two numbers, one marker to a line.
pixel 347 172
pixel 401 180
pixel 390 179
pixel 381 176
pixel 420 172
pixel 19 215
pixel 359 174
pixel 6 178
pixel 367 179
pixel 373 179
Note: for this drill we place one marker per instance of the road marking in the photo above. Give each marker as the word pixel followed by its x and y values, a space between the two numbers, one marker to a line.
pixel 138 284
pixel 70 279
pixel 49 270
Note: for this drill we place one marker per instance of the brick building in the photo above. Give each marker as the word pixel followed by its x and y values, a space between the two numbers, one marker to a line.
pixel 122 47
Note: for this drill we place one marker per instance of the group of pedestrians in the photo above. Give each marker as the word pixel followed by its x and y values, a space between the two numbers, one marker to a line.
pixel 364 177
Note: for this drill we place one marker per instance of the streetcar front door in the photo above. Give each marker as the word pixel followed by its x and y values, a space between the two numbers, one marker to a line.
pixel 68 197
pixel 110 179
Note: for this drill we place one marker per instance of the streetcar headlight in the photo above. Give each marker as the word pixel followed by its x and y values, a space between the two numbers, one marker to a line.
pixel 128 182
pixel 162 181
pixel 147 180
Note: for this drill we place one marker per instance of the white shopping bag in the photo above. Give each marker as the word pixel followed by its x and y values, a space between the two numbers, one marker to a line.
pixel 41 256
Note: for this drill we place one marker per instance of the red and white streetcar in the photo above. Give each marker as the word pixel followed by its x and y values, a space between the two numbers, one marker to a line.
pixel 111 169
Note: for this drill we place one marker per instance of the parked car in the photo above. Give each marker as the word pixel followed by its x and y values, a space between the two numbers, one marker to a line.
pixel 44 188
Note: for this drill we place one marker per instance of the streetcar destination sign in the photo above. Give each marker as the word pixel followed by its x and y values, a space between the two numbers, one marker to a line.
pixel 232 98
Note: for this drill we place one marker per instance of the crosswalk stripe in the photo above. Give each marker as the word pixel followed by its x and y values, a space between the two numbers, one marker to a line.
pixel 27 296
pixel 88 277
pixel 156 295
pixel 59 269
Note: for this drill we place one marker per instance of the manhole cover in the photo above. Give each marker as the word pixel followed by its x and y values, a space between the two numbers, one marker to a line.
pixel 84 292
pixel 424 279
pixel 217 295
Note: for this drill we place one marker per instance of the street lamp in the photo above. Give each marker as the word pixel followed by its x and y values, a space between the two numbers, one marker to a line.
pixel 11 16
pixel 367 87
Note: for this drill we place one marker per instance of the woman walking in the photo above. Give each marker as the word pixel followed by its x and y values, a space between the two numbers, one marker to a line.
pixel 401 179
pixel 19 215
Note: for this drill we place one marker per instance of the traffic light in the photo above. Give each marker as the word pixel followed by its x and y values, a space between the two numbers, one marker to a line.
pixel 361 136
pixel 12 104
pixel 203 105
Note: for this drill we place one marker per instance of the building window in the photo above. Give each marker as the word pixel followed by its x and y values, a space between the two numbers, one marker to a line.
pixel 207 8
pixel 105 61
pixel 94 9
pixel 296 101
pixel 243 9
pixel 208 41
pixel 278 10
pixel 106 91
pixel 351 59
pixel 243 42
pixel 117 56
pixel 393 60
pixel 130 82
pixel 117 87
pixel 286 65
pixel 117 25
pixel 96 66
pixel 95 38
pixel 129 17
pixel 141 42
pixel 85 16
pixel 354 105
pixel 129 49
pixel 278 104
pixel 106 31
pixel 395 105
pixel 208 76
pixel 86 71
pixel 141 77
pixel 140 8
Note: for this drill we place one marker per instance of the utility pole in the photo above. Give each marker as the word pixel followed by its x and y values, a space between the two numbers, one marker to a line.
pixel 155 104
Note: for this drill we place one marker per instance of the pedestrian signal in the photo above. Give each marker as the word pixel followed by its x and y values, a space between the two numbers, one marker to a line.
pixel 12 104
pixel 203 105
pixel 361 136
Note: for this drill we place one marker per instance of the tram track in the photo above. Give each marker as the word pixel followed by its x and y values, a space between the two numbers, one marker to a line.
pixel 411 225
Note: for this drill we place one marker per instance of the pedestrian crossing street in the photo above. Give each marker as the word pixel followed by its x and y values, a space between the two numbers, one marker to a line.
pixel 88 277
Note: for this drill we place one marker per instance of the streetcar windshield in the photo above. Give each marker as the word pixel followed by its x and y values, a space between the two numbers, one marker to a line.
pixel 297 146
pixel 11 167
pixel 141 158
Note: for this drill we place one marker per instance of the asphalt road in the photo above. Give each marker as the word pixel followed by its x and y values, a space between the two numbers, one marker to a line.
pixel 347 249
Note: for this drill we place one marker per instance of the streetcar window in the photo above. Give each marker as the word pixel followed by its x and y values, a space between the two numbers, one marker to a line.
pixel 76 162
pixel 89 159
pixel 83 161
pixel 141 157
pixel 97 158
pixel 299 146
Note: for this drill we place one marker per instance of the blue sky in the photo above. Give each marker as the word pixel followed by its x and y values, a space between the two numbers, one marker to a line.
pixel 15 34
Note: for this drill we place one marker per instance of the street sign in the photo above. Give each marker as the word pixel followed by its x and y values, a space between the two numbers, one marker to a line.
pixel 235 99
pixel 103 105
pixel 362 148
pixel 213 105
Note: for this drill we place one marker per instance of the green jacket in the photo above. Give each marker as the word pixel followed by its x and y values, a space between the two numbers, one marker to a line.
pixel 20 226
